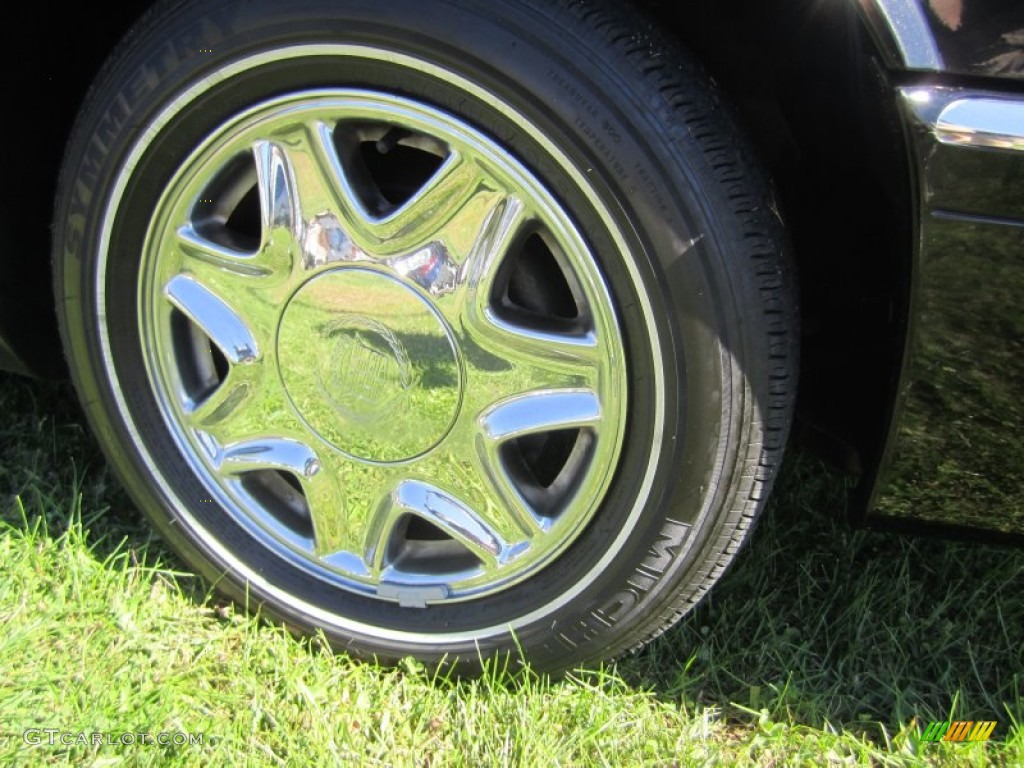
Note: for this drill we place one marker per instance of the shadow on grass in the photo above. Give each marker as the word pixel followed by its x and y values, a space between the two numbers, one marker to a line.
pixel 819 623
pixel 815 623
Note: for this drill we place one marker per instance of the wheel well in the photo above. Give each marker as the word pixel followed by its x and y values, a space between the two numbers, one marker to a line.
pixel 809 87
pixel 53 57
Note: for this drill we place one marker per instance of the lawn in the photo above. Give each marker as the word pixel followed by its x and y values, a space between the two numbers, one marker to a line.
pixel 822 645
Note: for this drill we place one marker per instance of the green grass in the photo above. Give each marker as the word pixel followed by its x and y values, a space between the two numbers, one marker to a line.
pixel 823 645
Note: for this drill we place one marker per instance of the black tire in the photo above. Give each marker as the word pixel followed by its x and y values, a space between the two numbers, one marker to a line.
pixel 628 136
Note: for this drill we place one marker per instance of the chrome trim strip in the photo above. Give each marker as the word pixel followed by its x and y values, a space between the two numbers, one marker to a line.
pixel 980 122
pixel 968 119
pixel 911 32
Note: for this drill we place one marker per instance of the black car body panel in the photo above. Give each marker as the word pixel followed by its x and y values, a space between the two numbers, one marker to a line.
pixel 956 456
pixel 979 37
pixel 49 61
pixel 953 460
pixel 966 37
pixel 947 367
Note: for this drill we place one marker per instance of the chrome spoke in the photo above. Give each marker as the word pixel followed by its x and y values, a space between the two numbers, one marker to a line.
pixel 280 212
pixel 250 288
pixel 558 353
pixel 487 458
pixel 335 517
pixel 231 398
pixel 269 453
pixel 305 194
pixel 538 413
pixel 454 516
pixel 215 317
pixel 464 472
pixel 541 412
pixel 380 532
pixel 453 206
pixel 502 225
pixel 323 489
pixel 212 240
pixel 321 184
pixel 466 253
pixel 533 360
pixel 462 237
pixel 248 405
pixel 527 371
pixel 234 262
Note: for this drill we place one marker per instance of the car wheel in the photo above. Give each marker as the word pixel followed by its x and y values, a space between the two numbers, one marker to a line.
pixel 450 329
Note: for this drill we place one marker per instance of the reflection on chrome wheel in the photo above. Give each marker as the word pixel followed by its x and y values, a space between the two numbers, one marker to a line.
pixel 335 335
pixel 448 329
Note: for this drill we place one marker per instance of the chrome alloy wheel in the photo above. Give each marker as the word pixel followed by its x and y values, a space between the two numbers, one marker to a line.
pixel 383 345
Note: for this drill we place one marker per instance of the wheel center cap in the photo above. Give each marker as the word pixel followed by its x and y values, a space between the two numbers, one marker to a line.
pixel 369 365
